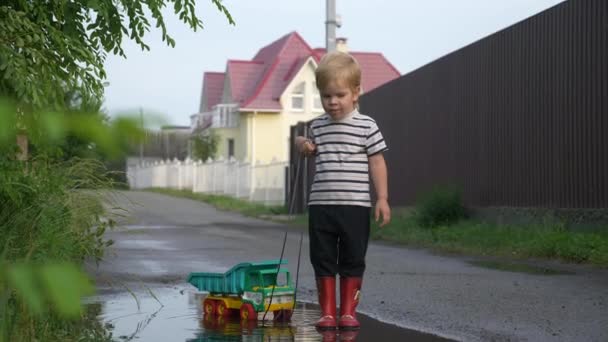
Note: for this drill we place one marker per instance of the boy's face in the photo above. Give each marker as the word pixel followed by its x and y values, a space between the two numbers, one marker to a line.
pixel 339 99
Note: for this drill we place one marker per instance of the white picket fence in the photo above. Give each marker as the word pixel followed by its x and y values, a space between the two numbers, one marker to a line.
pixel 258 182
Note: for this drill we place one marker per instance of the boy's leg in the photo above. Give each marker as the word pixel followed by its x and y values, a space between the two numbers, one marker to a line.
pixel 323 256
pixel 323 236
pixel 354 230
pixel 354 237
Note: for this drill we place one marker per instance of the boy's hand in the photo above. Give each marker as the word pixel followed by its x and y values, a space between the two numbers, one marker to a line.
pixel 305 146
pixel 384 210
pixel 309 148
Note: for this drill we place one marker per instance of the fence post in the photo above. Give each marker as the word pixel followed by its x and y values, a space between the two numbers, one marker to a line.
pixel 238 167
pixel 266 171
pixel 252 175
pixel 226 168
pixel 194 176
pixel 187 182
pixel 213 177
pixel 180 171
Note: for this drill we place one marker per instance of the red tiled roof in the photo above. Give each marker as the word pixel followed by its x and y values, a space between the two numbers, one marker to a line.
pixel 318 53
pixel 243 76
pixel 375 70
pixel 294 68
pixel 258 84
pixel 213 87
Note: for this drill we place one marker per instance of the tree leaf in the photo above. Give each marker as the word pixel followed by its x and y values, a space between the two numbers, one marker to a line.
pixel 66 285
pixel 22 278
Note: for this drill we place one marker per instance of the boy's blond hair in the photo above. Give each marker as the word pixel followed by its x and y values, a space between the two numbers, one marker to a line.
pixel 338 66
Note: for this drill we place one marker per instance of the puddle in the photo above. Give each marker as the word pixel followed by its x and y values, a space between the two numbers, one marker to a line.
pixel 144 244
pixel 152 266
pixel 517 267
pixel 132 227
pixel 176 314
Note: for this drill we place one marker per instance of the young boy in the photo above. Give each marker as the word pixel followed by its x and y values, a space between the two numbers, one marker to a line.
pixel 347 146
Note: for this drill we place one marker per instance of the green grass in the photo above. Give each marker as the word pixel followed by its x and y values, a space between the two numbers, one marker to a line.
pixel 478 238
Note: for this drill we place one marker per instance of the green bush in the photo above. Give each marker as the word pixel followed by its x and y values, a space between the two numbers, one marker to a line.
pixel 441 206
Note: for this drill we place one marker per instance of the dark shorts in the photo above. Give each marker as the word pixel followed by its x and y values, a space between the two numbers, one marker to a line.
pixel 339 235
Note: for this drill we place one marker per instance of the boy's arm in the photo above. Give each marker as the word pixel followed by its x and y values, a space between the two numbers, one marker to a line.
pixel 377 167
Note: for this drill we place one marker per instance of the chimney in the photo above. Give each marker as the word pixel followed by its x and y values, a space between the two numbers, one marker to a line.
pixel 341 44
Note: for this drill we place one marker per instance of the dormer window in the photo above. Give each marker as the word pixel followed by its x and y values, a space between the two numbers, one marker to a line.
pixel 297 97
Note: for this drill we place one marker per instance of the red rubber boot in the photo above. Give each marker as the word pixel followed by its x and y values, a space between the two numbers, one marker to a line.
pixel 350 291
pixel 326 286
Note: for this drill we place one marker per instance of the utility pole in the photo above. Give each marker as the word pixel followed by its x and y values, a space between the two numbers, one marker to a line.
pixel 332 22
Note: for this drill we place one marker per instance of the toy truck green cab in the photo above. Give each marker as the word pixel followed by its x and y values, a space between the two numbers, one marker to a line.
pixel 247 288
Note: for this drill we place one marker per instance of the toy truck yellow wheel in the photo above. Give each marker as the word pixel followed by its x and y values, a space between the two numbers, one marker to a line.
pixel 248 313
pixel 222 310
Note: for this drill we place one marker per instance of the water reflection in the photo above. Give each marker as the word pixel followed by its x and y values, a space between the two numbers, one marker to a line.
pixel 177 315
pixel 233 329
pixel 300 329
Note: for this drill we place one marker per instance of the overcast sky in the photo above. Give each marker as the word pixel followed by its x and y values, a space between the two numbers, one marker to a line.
pixel 410 33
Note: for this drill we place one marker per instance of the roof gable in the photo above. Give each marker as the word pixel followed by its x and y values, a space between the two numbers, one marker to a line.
pixel 244 75
pixel 280 57
pixel 213 87
pixel 297 67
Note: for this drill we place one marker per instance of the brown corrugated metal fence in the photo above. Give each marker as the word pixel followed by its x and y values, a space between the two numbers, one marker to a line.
pixel 516 119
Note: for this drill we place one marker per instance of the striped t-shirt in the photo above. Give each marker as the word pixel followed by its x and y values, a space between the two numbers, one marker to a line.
pixel 342 171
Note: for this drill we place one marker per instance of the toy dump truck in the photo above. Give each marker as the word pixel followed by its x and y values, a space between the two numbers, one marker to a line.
pixel 246 288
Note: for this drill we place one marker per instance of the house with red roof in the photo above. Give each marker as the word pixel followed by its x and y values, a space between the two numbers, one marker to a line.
pixel 253 103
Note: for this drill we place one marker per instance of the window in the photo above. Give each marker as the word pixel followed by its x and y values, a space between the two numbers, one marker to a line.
pixel 255 279
pixel 282 278
pixel 230 148
pixel 297 97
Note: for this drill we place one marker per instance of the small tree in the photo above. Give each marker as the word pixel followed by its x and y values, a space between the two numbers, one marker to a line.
pixel 205 146
pixel 52 52
pixel 48 47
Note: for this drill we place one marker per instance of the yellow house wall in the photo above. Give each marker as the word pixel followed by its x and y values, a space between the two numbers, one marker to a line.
pixel 269 140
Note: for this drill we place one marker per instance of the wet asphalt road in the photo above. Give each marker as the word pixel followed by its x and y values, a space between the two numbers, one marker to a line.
pixel 163 239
